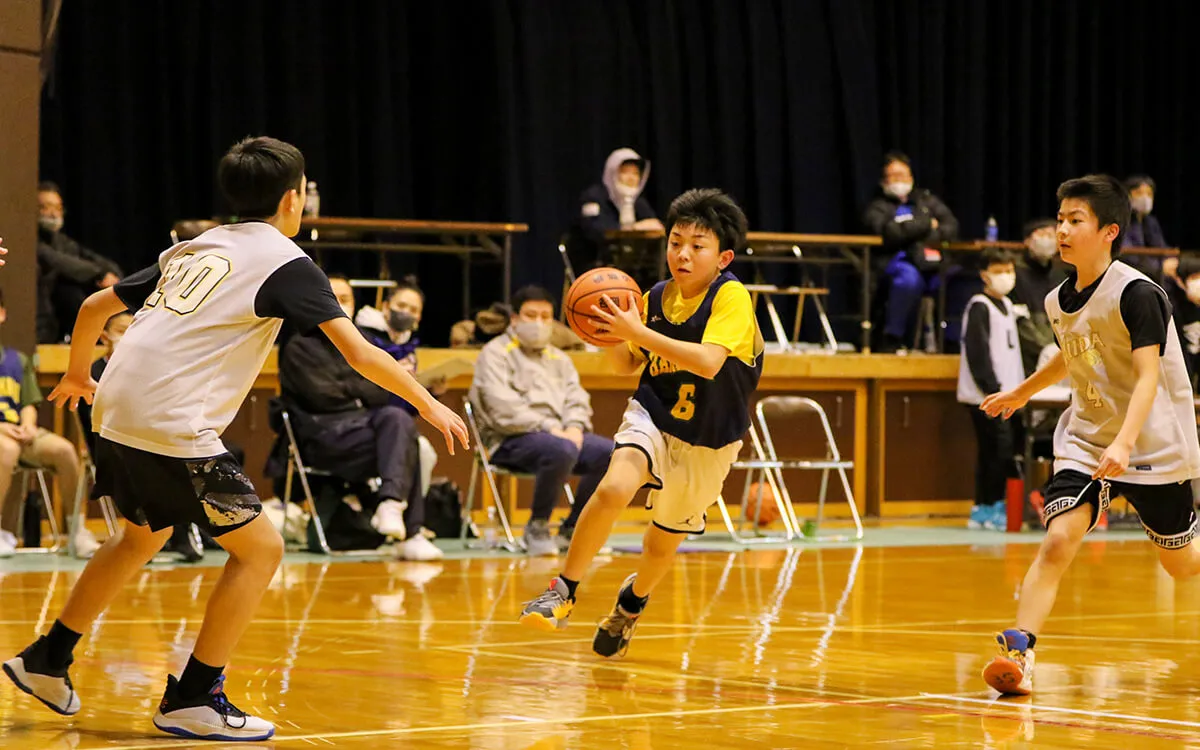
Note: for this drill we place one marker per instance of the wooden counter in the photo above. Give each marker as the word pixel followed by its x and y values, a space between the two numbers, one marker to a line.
pixel 896 416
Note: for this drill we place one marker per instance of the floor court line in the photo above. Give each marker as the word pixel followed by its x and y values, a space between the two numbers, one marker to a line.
pixel 996 703
pixel 533 722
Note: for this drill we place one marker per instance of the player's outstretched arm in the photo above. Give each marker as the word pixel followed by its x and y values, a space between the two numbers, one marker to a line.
pixel 77 383
pixel 626 324
pixel 377 366
pixel 1007 402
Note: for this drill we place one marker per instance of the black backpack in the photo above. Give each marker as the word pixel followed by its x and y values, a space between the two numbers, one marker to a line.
pixel 443 511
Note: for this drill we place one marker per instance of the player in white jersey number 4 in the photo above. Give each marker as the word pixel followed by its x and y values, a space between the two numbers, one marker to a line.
pixel 1130 429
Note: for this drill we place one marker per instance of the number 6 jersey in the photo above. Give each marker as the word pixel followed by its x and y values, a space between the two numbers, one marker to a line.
pixel 205 318
pixel 1097 330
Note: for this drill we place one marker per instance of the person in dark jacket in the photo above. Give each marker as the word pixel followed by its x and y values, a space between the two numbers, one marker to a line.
pixel 350 426
pixel 913 224
pixel 1144 229
pixel 616 202
pixel 1038 275
pixel 67 271
pixel 1183 291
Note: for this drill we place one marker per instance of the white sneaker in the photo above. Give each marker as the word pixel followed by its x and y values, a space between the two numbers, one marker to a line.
pixel 389 518
pixel 54 690
pixel 8 543
pixel 419 549
pixel 209 717
pixel 85 543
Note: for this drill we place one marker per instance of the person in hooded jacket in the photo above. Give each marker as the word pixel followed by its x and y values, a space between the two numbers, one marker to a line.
pixel 616 202
pixel 913 225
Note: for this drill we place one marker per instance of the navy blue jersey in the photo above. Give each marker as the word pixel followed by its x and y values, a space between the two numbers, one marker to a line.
pixel 709 413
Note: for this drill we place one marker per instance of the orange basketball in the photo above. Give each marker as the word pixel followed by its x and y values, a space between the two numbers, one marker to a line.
pixel 587 292
pixel 769 512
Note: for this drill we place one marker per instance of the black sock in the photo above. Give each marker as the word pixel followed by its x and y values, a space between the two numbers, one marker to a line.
pixel 197 678
pixel 571 585
pixel 60 642
pixel 1032 638
pixel 631 602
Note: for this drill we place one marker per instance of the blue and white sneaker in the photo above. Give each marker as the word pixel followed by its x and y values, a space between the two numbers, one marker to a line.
pixel 981 517
pixel 209 717
pixel 1000 515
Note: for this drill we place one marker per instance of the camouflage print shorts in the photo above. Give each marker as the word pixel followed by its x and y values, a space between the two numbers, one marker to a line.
pixel 161 491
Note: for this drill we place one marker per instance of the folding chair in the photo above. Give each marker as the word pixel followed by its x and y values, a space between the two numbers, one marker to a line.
pixel 87 474
pixel 23 472
pixel 490 472
pixel 768 465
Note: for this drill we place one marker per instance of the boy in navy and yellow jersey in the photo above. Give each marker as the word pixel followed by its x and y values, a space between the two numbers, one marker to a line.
pixel 682 430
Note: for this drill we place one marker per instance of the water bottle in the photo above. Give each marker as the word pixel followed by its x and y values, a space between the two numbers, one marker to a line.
pixel 993 230
pixel 312 203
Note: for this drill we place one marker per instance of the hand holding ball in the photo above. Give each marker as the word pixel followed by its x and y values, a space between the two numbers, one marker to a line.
pixel 591 290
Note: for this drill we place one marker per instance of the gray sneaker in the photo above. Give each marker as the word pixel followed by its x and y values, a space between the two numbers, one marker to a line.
pixel 550 610
pixel 538 542
pixel 616 630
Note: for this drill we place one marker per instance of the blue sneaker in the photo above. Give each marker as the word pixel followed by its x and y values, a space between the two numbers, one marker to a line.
pixel 1000 515
pixel 981 515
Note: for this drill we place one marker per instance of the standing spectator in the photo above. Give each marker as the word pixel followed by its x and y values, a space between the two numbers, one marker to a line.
pixel 1037 276
pixel 990 363
pixel 1183 291
pixel 1144 229
pixel 534 416
pixel 67 271
pixel 913 223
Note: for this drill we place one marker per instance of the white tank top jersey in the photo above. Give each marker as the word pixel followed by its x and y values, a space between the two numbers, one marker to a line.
pixel 1004 349
pixel 206 318
pixel 1096 345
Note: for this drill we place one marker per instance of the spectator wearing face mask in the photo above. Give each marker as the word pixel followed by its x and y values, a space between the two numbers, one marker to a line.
pixel 1183 291
pixel 1144 229
pixel 535 417
pixel 990 363
pixel 1037 276
pixel 913 224
pixel 67 271
pixel 616 202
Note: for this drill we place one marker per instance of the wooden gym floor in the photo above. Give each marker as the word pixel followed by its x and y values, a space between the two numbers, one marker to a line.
pixel 781 648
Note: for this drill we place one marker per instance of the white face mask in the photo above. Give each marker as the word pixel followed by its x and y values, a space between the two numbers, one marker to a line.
pixel 1142 204
pixel 626 192
pixel 898 189
pixel 1193 291
pixel 50 223
pixel 533 334
pixel 1002 283
pixel 1043 248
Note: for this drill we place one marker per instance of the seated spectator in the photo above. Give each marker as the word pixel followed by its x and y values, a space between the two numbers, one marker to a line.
pixel 490 323
pixel 616 202
pixel 1183 291
pixel 913 224
pixel 535 417
pixel 347 425
pixel 67 271
pixel 1144 229
pixel 21 440
pixel 1037 276
pixel 182 541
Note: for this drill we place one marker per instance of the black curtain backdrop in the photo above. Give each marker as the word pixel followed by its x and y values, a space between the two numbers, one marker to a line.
pixel 505 110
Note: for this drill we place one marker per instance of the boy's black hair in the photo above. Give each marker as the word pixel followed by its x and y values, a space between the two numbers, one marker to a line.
pixel 1189 265
pixel 1106 196
pixel 892 156
pixel 256 173
pixel 531 293
pixel 1033 225
pixel 991 255
pixel 1137 180
pixel 711 209
pixel 46 186
pixel 408 283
